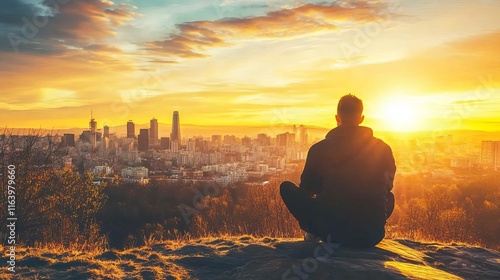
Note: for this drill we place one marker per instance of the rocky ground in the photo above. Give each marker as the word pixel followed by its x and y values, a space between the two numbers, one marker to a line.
pixel 247 257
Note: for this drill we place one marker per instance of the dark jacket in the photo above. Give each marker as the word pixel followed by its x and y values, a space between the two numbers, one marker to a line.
pixel 351 173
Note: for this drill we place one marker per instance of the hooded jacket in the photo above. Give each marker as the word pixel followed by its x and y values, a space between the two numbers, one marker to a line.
pixel 351 173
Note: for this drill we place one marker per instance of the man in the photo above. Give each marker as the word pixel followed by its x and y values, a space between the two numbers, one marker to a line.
pixel 344 194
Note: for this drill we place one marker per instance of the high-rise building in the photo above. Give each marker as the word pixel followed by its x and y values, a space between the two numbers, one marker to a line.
pixel 490 154
pixel 153 132
pixel 176 129
pixel 303 135
pixel 143 140
pixel 165 143
pixel 106 131
pixel 286 139
pixel 191 144
pixel 130 129
pixel 93 130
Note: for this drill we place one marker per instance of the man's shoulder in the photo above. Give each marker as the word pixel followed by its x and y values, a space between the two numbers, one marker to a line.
pixel 381 142
pixel 319 145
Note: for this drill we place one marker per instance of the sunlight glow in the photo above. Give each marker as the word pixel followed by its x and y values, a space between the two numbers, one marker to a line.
pixel 400 115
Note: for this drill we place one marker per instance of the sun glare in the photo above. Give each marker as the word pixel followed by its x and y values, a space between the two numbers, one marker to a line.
pixel 400 115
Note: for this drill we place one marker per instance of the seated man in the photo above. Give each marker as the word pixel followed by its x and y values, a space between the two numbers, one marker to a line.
pixel 344 194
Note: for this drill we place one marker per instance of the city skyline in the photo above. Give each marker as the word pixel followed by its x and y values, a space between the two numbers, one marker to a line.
pixel 416 65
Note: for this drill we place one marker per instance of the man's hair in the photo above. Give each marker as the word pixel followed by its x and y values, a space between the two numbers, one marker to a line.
pixel 349 107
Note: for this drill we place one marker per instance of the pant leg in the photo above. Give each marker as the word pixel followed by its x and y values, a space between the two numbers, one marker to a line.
pixel 300 205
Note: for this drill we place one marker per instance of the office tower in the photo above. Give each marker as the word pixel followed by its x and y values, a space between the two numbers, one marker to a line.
pixel 106 131
pixel 303 135
pixel 174 146
pixel 93 129
pixel 490 154
pixel 130 129
pixel 286 139
pixel 153 132
pixel 165 143
pixel 143 140
pixel 176 129
pixel 69 140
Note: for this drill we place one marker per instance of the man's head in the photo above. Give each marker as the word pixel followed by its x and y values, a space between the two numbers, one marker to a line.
pixel 349 111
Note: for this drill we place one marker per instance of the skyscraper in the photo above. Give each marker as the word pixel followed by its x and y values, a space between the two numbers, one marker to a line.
pixel 106 131
pixel 130 129
pixel 93 129
pixel 143 140
pixel 153 132
pixel 303 135
pixel 176 129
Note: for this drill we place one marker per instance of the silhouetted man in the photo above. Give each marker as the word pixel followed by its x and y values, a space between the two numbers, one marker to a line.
pixel 344 194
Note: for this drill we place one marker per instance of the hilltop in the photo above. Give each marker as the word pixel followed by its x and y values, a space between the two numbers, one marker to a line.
pixel 247 257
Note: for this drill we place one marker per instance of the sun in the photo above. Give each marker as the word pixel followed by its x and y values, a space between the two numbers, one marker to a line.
pixel 400 115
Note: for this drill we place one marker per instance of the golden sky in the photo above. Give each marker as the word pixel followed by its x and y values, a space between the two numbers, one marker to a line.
pixel 418 65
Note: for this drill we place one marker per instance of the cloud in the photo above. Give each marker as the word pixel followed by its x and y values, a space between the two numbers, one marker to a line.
pixel 53 28
pixel 194 38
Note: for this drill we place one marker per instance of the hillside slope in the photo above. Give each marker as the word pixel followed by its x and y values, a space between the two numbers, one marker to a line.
pixel 263 258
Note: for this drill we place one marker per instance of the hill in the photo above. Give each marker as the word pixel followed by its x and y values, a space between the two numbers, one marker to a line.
pixel 247 257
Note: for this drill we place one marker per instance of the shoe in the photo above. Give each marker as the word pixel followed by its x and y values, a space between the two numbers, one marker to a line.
pixel 309 237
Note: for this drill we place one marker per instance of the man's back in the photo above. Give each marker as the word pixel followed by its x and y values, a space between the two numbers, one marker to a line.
pixel 351 172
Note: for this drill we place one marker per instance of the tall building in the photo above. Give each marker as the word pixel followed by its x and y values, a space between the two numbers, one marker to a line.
pixel 176 128
pixel 165 143
pixel 93 130
pixel 130 129
pixel 286 139
pixel 153 132
pixel 106 131
pixel 143 140
pixel 490 154
pixel 303 135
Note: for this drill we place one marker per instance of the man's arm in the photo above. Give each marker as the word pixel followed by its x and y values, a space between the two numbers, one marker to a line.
pixel 310 180
pixel 390 169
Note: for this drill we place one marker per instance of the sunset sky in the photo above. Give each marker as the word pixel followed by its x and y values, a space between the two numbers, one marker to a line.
pixel 418 65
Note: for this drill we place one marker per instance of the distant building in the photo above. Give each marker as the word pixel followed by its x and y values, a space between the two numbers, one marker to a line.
pixel 153 132
pixel 165 143
pixel 217 139
pixel 86 136
pixel 69 140
pixel 490 154
pixel 286 139
pixel 191 145
pixel 229 139
pixel 263 139
pixel 246 141
pixel 174 146
pixel 135 172
pixel 93 130
pixel 303 135
pixel 176 128
pixel 143 140
pixel 106 131
pixel 461 162
pixel 130 129
pixel 102 170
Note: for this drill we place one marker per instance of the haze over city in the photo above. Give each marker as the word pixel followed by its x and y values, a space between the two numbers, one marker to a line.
pixel 417 65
